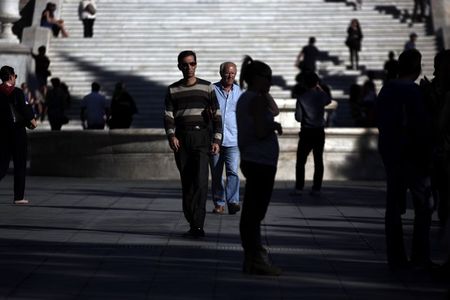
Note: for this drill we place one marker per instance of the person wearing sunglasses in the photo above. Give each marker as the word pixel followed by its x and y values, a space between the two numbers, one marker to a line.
pixel 193 125
pixel 15 115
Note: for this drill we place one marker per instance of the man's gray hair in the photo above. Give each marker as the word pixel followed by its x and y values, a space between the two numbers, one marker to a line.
pixel 223 66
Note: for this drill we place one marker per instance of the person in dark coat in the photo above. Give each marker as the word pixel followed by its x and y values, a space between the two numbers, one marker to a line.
pixel 15 115
pixel 353 42
pixel 123 108
pixel 57 100
pixel 405 145
pixel 306 59
pixel 390 67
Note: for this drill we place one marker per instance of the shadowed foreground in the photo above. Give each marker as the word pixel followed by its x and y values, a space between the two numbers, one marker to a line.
pixel 110 239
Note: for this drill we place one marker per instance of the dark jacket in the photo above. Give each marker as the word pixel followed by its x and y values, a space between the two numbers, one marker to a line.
pixel 14 110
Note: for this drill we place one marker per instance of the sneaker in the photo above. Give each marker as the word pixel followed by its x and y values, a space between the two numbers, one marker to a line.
pixel 21 202
pixel 233 208
pixel 218 209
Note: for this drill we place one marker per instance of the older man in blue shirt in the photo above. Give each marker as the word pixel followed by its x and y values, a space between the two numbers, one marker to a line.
pixel 228 93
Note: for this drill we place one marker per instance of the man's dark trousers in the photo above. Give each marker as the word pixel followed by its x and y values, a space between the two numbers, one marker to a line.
pixel 88 27
pixel 193 161
pixel 15 146
pixel 310 139
pixel 401 176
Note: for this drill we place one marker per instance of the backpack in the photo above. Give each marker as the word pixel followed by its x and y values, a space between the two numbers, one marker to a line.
pixel 90 9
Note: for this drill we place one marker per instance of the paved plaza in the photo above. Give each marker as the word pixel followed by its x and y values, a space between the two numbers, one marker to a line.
pixel 83 238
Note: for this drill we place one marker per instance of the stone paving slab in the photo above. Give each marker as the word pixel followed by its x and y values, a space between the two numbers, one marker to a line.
pixel 84 238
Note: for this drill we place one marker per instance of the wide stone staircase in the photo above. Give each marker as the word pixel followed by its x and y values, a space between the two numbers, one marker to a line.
pixel 137 41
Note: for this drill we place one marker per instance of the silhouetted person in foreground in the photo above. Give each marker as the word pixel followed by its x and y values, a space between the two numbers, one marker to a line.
pixel 436 92
pixel 309 111
pixel 258 145
pixel 123 108
pixel 438 97
pixel 390 67
pixel 15 115
pixel 193 125
pixel 405 147
pixel 306 59
pixel 353 42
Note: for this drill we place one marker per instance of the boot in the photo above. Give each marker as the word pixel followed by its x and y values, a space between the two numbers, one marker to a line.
pixel 258 264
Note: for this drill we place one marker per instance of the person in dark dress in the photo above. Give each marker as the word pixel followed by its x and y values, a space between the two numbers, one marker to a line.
pixel 15 115
pixel 353 42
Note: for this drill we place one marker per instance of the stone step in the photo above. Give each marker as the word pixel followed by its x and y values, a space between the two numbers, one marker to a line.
pixel 275 32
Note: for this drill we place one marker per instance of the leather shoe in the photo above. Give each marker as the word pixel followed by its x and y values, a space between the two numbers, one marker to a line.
pixel 258 265
pixel 195 232
pixel 233 208
pixel 218 209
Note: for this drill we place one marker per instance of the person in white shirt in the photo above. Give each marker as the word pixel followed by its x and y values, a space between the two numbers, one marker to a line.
pixel 87 12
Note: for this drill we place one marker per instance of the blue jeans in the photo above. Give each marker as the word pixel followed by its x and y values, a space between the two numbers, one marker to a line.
pixel 225 193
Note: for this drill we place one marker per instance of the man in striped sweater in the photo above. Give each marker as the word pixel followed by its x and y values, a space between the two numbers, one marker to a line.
pixel 194 129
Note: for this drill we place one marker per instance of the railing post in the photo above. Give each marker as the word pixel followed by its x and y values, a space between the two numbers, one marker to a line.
pixel 9 13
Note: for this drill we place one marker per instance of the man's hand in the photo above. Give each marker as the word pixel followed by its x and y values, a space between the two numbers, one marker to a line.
pixel 33 124
pixel 174 144
pixel 278 128
pixel 215 148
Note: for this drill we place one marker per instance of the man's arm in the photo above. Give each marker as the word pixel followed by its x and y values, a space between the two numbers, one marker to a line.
pixel 169 123
pixel 216 120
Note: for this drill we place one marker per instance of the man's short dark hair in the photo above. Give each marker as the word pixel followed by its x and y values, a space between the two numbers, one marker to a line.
pixel 56 82
pixel 6 72
pixel 42 50
pixel 409 62
pixel 95 86
pixel 312 40
pixel 186 53
pixel 311 79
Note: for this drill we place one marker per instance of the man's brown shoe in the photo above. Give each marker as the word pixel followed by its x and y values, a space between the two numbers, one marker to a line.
pixel 218 209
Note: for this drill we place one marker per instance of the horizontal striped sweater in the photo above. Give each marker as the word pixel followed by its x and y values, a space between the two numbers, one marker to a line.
pixel 190 106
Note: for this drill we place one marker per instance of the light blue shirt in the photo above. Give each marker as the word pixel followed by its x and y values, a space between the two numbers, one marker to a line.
pixel 227 103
